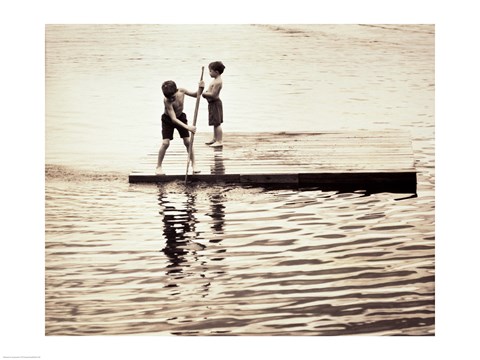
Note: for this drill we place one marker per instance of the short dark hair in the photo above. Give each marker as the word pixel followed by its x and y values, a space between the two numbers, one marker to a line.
pixel 169 88
pixel 217 66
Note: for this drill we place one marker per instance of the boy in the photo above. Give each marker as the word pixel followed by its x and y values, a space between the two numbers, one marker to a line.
pixel 175 118
pixel 215 109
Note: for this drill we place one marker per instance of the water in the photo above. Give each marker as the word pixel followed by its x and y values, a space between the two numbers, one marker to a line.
pixel 229 260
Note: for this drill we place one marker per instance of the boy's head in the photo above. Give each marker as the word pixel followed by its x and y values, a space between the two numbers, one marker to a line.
pixel 169 88
pixel 217 66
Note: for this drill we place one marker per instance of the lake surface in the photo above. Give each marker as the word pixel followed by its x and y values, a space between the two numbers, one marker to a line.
pixel 202 259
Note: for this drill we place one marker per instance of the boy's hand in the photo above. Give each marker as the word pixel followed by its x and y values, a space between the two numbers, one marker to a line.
pixel 192 128
pixel 201 84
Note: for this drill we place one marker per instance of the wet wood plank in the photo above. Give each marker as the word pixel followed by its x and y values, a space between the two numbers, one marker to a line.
pixel 337 160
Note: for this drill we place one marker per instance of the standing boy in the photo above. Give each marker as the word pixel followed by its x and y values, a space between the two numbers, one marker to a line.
pixel 175 118
pixel 215 109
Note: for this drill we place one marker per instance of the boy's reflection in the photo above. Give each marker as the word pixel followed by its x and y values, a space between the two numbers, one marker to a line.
pixel 178 211
pixel 217 168
pixel 180 221
pixel 217 214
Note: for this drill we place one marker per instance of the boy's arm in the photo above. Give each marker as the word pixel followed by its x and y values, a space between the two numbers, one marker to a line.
pixel 191 93
pixel 214 93
pixel 173 116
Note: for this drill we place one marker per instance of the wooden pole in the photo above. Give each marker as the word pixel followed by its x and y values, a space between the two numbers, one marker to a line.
pixel 199 93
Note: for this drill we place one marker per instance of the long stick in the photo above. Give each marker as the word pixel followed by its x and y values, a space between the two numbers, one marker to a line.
pixel 199 92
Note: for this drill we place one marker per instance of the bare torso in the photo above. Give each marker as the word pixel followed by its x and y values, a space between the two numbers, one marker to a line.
pixel 213 91
pixel 177 104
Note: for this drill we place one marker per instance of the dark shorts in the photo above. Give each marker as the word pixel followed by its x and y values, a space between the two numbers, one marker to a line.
pixel 168 126
pixel 215 113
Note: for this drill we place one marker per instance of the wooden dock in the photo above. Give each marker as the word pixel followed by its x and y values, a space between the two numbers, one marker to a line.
pixel 346 161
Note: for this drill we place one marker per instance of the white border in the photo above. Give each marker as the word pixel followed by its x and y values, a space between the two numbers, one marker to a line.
pixel 22 28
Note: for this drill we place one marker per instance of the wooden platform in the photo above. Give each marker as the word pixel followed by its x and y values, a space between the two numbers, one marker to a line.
pixel 345 161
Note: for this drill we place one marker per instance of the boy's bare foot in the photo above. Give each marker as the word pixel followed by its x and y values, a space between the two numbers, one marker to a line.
pixel 159 171
pixel 194 170
pixel 210 142
pixel 216 144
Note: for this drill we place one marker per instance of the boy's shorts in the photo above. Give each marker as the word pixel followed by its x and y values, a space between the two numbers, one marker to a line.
pixel 168 126
pixel 215 113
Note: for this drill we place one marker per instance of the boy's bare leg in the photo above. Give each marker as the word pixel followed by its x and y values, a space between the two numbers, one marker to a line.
pixel 186 142
pixel 218 135
pixel 161 155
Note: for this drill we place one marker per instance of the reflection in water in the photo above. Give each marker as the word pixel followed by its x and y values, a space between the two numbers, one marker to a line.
pixel 191 262
pixel 179 221
pixel 217 214
pixel 218 167
pixel 278 262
